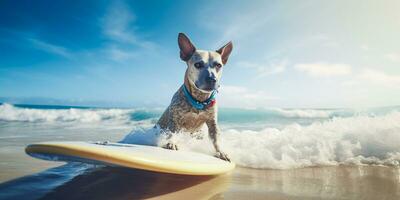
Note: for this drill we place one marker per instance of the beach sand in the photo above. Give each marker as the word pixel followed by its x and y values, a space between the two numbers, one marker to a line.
pixel 59 181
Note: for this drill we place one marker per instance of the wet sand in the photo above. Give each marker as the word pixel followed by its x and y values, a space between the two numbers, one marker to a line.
pixel 77 181
pixel 342 182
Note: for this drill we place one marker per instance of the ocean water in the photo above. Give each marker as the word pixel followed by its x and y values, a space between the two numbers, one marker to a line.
pixel 260 138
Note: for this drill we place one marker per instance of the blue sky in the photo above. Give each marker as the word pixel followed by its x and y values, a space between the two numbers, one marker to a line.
pixel 125 53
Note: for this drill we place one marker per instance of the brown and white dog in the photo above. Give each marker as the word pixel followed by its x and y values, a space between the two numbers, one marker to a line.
pixel 194 104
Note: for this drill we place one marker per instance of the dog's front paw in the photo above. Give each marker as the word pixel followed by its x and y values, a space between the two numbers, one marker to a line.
pixel 170 146
pixel 223 156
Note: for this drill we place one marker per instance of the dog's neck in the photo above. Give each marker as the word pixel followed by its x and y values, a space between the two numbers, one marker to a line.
pixel 194 91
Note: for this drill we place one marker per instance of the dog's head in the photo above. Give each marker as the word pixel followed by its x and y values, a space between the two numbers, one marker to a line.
pixel 204 67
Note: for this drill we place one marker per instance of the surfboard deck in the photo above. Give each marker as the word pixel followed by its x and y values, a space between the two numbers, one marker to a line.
pixel 132 156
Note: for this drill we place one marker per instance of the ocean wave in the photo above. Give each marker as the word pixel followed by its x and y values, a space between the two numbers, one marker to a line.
pixel 303 113
pixel 357 140
pixel 9 112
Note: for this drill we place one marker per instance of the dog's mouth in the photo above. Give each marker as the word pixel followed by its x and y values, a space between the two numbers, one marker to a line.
pixel 207 87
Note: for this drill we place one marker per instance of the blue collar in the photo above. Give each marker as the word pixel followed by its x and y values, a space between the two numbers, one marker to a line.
pixel 197 104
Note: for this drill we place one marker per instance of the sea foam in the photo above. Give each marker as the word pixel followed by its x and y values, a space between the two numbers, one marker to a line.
pixel 9 112
pixel 303 113
pixel 357 140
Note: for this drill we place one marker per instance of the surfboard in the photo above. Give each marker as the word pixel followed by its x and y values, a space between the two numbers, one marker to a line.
pixel 143 157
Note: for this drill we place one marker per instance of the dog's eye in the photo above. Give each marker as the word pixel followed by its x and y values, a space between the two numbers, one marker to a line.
pixel 217 65
pixel 198 65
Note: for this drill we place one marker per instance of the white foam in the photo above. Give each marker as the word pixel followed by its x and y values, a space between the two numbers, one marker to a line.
pixel 354 140
pixel 11 113
pixel 361 139
pixel 303 113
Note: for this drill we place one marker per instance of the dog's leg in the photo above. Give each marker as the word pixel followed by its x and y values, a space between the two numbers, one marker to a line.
pixel 213 132
pixel 169 137
pixel 170 144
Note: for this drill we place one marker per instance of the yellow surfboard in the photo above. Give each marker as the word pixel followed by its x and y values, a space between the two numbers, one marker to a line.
pixel 132 156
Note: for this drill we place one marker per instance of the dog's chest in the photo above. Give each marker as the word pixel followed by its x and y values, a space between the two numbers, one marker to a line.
pixel 180 115
pixel 192 121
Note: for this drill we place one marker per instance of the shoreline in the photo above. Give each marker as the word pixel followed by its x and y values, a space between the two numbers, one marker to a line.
pixel 328 182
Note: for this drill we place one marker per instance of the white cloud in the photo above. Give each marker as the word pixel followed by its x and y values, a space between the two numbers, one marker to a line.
pixel 395 57
pixel 350 83
pixel 322 40
pixel 324 69
pixel 242 97
pixel 236 27
pixel 118 54
pixel 50 48
pixel 365 47
pixel 232 26
pixel 117 22
pixel 381 78
pixel 118 25
pixel 267 68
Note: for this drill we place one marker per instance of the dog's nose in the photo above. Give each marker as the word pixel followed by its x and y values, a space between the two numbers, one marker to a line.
pixel 211 79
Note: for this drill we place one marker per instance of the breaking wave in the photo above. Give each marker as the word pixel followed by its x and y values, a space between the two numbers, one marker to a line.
pixel 357 140
pixel 303 138
pixel 304 113
pixel 9 112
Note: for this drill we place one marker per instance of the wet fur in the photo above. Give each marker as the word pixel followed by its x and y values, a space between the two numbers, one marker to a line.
pixel 181 116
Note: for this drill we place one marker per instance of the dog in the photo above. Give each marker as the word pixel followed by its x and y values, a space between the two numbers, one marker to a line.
pixel 194 104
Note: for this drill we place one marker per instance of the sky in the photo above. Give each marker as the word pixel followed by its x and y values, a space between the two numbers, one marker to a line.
pixel 289 54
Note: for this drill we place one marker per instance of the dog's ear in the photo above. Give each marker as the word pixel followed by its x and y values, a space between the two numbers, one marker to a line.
pixel 186 47
pixel 225 51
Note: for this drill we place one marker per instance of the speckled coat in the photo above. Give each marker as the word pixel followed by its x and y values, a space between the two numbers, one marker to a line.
pixel 182 116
